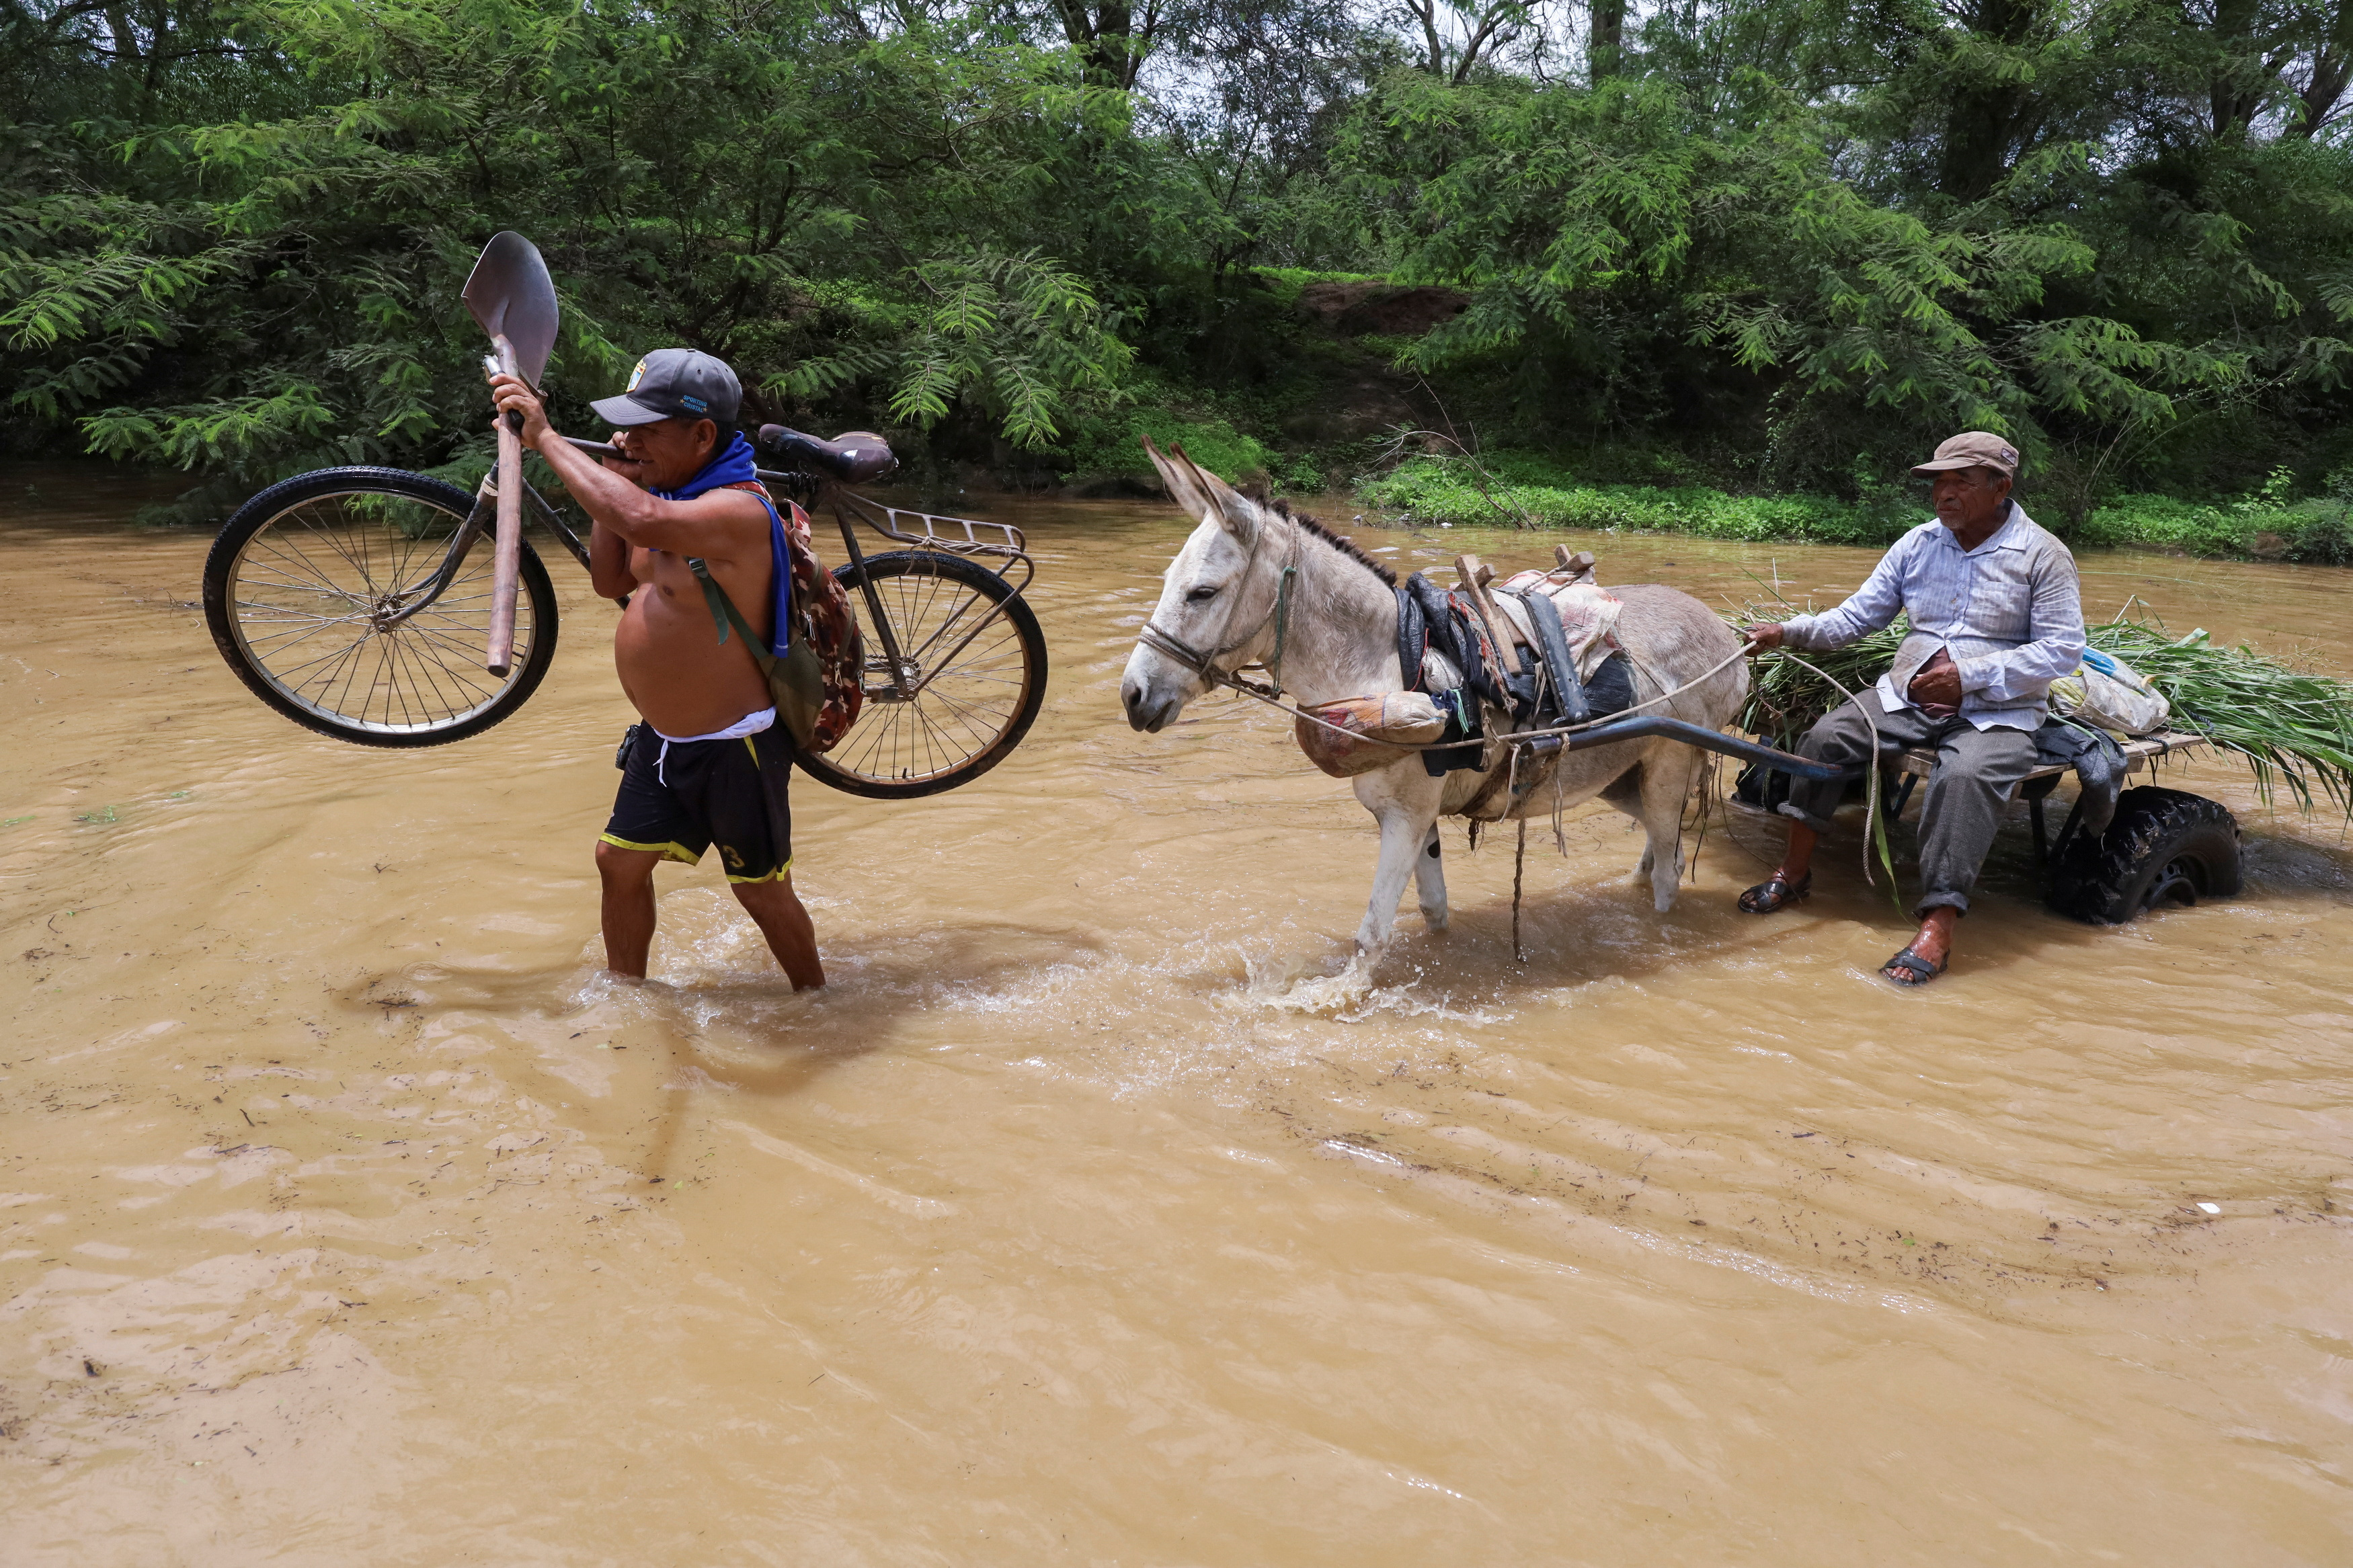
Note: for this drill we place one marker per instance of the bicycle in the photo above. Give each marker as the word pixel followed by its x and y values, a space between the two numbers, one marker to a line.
pixel 354 602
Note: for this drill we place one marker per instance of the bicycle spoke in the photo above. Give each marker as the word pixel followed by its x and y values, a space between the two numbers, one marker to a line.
pixel 307 593
pixel 968 662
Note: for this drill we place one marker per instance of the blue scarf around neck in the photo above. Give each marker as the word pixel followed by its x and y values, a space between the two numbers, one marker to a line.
pixel 733 465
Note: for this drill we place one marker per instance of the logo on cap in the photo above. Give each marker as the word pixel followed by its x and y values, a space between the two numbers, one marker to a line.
pixel 694 403
pixel 636 376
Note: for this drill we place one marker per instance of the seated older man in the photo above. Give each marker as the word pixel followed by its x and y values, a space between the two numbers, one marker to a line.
pixel 1994 619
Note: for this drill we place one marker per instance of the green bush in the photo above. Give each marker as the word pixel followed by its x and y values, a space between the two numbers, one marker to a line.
pixel 2313 532
pixel 1437 489
pixel 1110 446
pixel 1528 491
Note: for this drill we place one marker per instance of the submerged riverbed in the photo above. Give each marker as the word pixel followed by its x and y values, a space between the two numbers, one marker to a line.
pixel 347 1215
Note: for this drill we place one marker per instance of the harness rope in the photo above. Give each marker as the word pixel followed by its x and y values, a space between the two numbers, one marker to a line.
pixel 1873 832
pixel 1152 636
pixel 1204 665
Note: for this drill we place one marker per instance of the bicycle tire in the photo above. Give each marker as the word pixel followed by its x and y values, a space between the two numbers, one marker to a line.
pixel 969 734
pixel 384 520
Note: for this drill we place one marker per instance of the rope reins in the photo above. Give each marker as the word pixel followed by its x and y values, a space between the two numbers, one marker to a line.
pixel 1204 665
pixel 1272 698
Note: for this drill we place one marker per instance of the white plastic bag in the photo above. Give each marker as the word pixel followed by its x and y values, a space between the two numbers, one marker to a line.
pixel 2109 693
pixel 1589 614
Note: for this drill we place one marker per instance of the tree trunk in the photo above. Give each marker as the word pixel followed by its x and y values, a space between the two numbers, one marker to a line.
pixel 2332 72
pixel 1109 45
pixel 1987 120
pixel 1604 50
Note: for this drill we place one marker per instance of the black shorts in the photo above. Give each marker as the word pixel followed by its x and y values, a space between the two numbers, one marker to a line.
pixel 730 793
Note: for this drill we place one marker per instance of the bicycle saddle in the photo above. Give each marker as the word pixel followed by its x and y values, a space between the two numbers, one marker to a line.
pixel 857 457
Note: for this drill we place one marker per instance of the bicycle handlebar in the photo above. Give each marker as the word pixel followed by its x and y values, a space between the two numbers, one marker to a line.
pixel 853 459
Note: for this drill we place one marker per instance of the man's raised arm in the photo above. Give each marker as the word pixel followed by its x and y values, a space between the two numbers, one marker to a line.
pixel 723 523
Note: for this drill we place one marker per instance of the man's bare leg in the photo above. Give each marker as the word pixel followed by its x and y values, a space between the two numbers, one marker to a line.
pixel 1798 859
pixel 1789 882
pixel 628 878
pixel 792 935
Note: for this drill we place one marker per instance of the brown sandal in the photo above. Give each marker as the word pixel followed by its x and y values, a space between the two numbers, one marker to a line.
pixel 1774 893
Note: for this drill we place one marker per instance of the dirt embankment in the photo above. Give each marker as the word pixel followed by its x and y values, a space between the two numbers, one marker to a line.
pixel 1387 309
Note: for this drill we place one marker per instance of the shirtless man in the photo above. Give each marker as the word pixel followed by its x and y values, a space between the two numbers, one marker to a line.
pixel 710 763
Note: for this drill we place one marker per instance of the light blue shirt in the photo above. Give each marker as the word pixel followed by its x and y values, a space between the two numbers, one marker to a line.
pixel 2009 611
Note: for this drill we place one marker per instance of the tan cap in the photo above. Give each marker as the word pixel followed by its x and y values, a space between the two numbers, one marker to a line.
pixel 1973 449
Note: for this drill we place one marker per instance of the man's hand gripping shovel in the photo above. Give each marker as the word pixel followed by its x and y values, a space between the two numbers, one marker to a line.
pixel 510 294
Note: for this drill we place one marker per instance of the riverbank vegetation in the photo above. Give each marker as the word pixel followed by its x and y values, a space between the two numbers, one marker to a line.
pixel 1724 267
pixel 2269 523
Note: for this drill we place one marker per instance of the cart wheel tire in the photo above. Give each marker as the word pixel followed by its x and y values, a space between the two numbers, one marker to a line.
pixel 849 766
pixel 230 617
pixel 2164 847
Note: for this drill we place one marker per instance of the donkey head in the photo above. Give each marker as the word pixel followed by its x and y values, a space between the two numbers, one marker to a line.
pixel 1219 587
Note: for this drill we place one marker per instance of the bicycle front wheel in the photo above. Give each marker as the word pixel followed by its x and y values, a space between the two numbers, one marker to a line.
pixel 971 650
pixel 304 589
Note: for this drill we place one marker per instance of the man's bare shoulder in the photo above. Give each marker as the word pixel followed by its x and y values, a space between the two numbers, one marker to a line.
pixel 720 524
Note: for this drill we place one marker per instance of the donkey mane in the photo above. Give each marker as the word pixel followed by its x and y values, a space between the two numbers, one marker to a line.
pixel 1346 546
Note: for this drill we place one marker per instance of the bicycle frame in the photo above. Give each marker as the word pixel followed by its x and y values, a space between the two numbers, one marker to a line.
pixel 947 535
pixel 472 530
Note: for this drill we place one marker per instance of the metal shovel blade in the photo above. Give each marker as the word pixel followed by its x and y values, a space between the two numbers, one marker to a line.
pixel 512 296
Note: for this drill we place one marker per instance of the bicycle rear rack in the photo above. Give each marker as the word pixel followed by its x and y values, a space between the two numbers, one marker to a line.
pixel 928 531
pixel 931 531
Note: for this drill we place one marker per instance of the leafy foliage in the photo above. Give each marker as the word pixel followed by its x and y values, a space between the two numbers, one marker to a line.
pixel 1788 241
pixel 1015 333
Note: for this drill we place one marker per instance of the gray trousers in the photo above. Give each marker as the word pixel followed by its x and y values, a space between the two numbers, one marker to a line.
pixel 1962 804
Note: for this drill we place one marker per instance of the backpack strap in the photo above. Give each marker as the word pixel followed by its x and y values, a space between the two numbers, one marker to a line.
pixel 724 614
pixel 781 590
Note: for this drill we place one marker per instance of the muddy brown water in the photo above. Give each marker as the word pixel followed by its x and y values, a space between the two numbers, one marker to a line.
pixel 348 1215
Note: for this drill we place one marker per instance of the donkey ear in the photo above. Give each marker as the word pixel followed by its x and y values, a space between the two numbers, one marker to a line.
pixel 1220 500
pixel 1178 473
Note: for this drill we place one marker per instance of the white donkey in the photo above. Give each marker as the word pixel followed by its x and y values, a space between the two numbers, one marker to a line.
pixel 1340 640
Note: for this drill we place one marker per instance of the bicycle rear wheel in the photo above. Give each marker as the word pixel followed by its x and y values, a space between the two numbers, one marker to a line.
pixel 301 587
pixel 977 692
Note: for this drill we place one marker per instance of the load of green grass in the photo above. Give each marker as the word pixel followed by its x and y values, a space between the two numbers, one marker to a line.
pixel 2292 727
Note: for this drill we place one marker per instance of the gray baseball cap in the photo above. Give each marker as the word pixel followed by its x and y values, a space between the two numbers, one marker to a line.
pixel 1972 449
pixel 675 384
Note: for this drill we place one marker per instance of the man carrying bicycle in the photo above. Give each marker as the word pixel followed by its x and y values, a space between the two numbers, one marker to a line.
pixel 710 763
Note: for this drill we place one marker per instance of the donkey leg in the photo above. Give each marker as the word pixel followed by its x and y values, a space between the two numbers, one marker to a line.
pixel 1666 788
pixel 1406 809
pixel 1625 793
pixel 1430 882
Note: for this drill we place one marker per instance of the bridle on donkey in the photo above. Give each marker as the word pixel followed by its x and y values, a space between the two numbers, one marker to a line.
pixel 1205 665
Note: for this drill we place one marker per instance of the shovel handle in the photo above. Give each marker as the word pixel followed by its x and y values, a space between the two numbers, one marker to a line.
pixel 506 564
